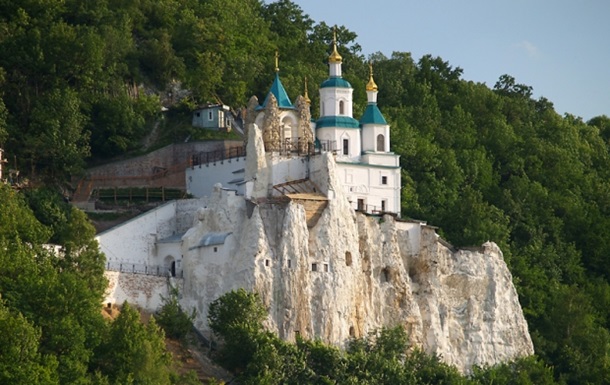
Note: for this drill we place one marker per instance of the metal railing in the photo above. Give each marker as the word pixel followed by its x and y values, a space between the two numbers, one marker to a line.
pixel 286 146
pixel 370 209
pixel 217 155
pixel 137 268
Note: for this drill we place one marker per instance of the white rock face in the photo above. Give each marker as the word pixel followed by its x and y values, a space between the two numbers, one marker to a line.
pixel 351 274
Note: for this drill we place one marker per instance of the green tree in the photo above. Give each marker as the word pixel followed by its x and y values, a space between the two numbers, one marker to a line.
pixel 174 321
pixel 20 360
pixel 237 318
pixel 133 352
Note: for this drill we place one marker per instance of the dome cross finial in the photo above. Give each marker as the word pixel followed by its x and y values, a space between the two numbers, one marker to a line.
pixel 371 86
pixel 277 61
pixel 306 96
pixel 334 56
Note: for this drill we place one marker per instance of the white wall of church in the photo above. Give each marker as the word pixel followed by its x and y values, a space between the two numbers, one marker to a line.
pixel 381 159
pixel 144 291
pixel 338 136
pixel 286 168
pixel 370 136
pixel 330 101
pixel 133 242
pixel 201 179
pixel 367 184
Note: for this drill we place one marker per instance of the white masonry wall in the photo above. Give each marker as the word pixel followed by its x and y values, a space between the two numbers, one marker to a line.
pixel 201 179
pixel 134 241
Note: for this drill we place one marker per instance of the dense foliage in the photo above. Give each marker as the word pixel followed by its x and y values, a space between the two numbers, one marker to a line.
pixel 51 326
pixel 172 319
pixel 259 357
pixel 87 78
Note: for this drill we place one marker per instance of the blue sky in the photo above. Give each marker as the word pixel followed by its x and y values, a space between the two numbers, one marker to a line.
pixel 561 48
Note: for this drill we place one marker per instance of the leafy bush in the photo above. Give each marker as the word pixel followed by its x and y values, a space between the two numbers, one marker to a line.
pixel 175 322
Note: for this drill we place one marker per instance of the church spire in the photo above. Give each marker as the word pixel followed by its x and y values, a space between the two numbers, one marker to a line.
pixel 277 88
pixel 334 56
pixel 334 60
pixel 305 95
pixel 371 86
pixel 277 61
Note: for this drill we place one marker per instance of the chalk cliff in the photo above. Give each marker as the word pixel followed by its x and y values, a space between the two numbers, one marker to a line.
pixel 349 273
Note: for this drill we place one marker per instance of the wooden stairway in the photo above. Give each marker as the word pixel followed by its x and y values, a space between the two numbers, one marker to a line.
pixel 306 193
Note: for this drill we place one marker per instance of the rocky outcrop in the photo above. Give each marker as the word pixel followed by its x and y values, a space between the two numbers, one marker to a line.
pixel 351 274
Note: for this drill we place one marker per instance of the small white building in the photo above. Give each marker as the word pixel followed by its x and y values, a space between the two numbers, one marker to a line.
pixel 217 117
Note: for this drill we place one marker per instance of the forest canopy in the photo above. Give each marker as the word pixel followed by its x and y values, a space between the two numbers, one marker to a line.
pixel 83 80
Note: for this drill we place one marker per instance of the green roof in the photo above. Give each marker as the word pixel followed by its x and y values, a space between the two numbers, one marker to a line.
pixel 337 121
pixel 372 115
pixel 335 81
pixel 278 90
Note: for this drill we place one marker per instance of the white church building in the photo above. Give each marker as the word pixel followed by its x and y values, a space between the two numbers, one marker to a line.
pixel 368 170
pixel 284 161
pixel 306 218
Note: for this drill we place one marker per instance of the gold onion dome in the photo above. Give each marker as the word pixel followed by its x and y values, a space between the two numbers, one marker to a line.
pixel 371 86
pixel 335 57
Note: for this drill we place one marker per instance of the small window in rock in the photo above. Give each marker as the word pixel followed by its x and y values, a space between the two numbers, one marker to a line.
pixel 348 258
pixel 289 263
pixel 352 331
pixel 385 275
pixel 109 304
pixel 314 267
pixel 326 267
pixel 266 262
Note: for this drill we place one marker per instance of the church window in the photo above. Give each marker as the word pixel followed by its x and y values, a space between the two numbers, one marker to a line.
pixel 345 146
pixel 384 180
pixel 215 249
pixel 209 115
pixel 383 205
pixel 198 114
pixel 380 143
pixel 341 108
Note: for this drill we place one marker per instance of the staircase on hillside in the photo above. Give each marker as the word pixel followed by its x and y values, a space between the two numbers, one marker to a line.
pixel 306 193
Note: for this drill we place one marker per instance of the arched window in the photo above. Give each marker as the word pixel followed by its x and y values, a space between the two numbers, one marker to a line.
pixel 341 108
pixel 380 142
